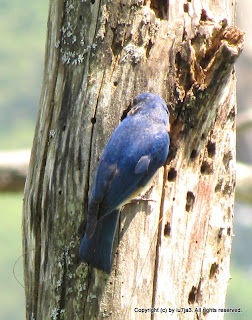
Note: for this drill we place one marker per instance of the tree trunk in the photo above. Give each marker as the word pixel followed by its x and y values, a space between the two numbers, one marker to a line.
pixel 173 251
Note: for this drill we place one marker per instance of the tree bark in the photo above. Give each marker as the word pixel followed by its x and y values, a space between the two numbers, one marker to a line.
pixel 173 251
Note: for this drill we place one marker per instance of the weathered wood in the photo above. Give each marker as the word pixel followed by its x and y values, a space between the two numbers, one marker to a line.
pixel 173 251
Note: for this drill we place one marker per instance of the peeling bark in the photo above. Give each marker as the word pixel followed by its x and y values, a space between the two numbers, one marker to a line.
pixel 174 251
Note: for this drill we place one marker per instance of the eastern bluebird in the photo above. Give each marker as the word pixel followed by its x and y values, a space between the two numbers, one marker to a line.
pixel 135 151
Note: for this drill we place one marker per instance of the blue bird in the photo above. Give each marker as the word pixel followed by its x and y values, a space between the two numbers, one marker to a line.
pixel 135 151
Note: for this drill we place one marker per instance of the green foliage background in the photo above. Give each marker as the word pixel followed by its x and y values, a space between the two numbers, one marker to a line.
pixel 12 304
pixel 23 31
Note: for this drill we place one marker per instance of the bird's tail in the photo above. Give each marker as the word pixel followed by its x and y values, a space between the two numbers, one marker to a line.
pixel 97 250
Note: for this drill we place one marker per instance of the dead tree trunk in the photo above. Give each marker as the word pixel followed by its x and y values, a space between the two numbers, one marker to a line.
pixel 172 252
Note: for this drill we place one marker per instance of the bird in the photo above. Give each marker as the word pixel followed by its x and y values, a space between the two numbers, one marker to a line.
pixel 137 148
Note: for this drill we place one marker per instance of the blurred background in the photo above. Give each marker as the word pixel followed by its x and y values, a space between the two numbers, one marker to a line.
pixel 23 29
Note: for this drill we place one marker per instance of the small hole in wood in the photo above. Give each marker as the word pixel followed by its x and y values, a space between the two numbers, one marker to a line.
pixel 125 112
pixel 192 295
pixel 220 233
pixel 211 149
pixel 186 7
pixel 167 229
pixel 203 136
pixel 194 154
pixel 203 16
pixel 160 8
pixel 172 174
pixel 214 268
pixel 93 120
pixel 190 199
pixel 150 44
pixel 206 168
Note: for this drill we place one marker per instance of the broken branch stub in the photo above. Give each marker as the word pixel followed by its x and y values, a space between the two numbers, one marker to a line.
pixel 204 64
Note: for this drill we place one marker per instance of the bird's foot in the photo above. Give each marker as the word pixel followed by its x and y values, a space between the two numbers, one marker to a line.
pixel 141 199
pixel 144 196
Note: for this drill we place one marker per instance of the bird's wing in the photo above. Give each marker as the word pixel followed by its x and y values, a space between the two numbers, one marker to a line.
pixel 101 186
pixel 135 167
pixel 142 164
pixel 128 162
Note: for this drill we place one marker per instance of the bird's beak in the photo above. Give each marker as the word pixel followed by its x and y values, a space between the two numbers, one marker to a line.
pixel 168 128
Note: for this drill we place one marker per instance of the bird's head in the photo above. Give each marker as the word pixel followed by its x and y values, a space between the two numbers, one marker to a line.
pixel 152 106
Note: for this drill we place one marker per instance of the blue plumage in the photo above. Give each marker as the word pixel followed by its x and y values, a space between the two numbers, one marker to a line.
pixel 136 150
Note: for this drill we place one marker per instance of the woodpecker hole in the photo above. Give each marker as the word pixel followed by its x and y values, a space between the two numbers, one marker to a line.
pixel 192 295
pixel 211 149
pixel 150 44
pixel 214 268
pixel 190 199
pixel 160 8
pixel 218 186
pixel 194 154
pixel 167 229
pixel 172 174
pixel 206 168
pixel 203 16
pixel 220 233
